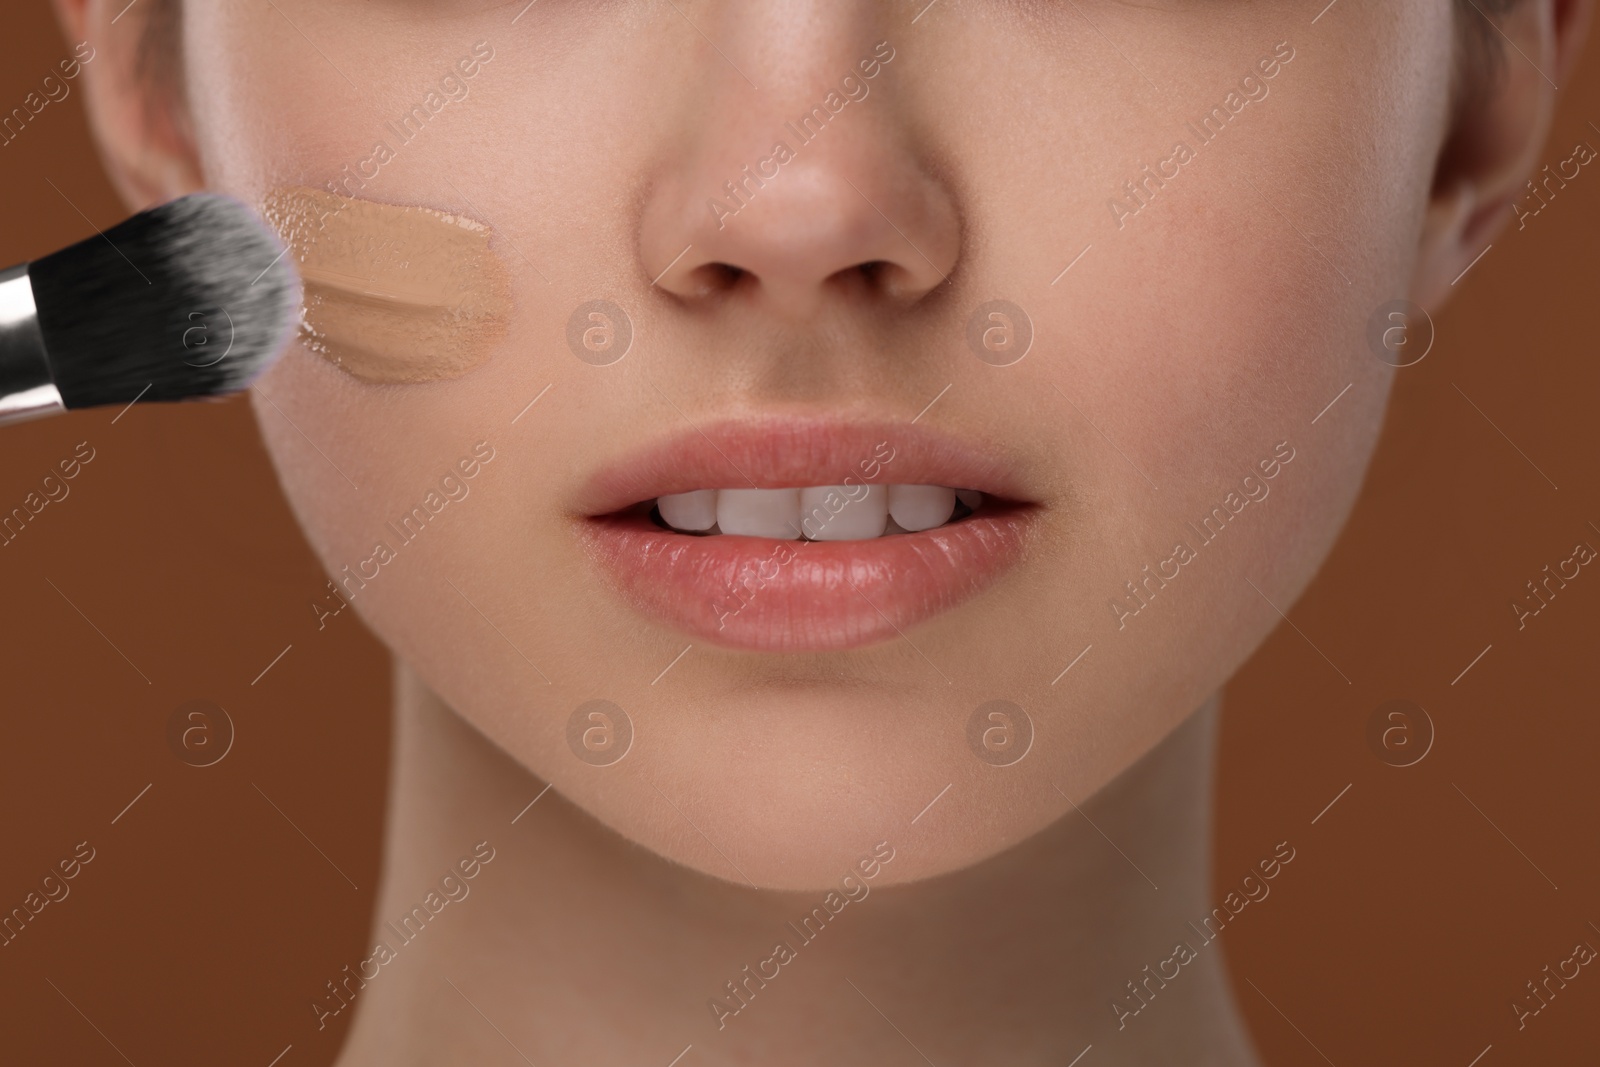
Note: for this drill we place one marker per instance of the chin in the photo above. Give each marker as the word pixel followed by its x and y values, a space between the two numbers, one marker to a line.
pixel 788 791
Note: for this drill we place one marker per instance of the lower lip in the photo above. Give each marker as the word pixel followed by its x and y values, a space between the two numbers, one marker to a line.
pixel 803 596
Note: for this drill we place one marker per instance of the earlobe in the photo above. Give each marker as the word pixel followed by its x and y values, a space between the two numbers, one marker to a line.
pixel 140 127
pixel 1494 141
pixel 1444 236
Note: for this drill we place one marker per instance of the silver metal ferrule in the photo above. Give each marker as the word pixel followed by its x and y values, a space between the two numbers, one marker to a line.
pixel 27 389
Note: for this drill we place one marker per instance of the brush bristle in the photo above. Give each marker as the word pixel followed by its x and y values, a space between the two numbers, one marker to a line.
pixel 190 299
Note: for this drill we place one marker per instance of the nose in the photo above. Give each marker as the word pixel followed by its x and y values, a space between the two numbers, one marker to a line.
pixel 809 190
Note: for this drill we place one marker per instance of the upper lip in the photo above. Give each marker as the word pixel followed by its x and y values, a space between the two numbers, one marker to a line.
pixel 777 452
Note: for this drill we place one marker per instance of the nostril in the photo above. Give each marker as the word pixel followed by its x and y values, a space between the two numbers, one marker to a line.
pixel 873 271
pixel 712 279
pixel 875 277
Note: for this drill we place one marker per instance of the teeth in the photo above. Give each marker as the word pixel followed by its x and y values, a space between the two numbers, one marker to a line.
pixel 844 513
pixel 819 513
pixel 759 512
pixel 690 511
pixel 921 507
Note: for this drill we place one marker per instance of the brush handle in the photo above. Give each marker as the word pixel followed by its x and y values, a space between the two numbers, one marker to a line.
pixel 27 389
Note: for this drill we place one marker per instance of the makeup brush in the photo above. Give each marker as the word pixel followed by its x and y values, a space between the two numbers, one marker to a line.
pixel 193 298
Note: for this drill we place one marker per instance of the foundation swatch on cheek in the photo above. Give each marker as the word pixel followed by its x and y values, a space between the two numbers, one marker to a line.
pixel 393 294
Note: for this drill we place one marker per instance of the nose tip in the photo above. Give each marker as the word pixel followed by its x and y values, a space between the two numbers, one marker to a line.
pixel 852 220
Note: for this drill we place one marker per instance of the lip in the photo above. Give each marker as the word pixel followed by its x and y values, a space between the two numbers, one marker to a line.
pixel 764 594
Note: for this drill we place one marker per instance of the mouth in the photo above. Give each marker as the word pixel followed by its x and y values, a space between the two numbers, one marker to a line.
pixel 805 535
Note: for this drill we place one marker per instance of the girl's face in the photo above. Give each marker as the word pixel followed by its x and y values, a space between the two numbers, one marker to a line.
pixel 1106 263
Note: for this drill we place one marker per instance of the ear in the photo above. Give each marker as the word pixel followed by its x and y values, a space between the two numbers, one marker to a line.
pixel 134 98
pixel 1497 132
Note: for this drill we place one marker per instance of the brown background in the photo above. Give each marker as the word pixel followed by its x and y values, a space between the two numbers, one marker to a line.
pixel 1400 934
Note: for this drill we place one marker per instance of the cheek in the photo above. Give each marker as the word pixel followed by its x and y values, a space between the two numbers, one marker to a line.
pixel 360 464
pixel 1239 303
pixel 1220 320
pixel 245 74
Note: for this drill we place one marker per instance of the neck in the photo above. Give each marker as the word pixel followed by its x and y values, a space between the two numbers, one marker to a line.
pixel 571 945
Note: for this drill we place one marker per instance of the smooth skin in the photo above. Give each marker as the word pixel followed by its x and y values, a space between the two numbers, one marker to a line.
pixel 1174 357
